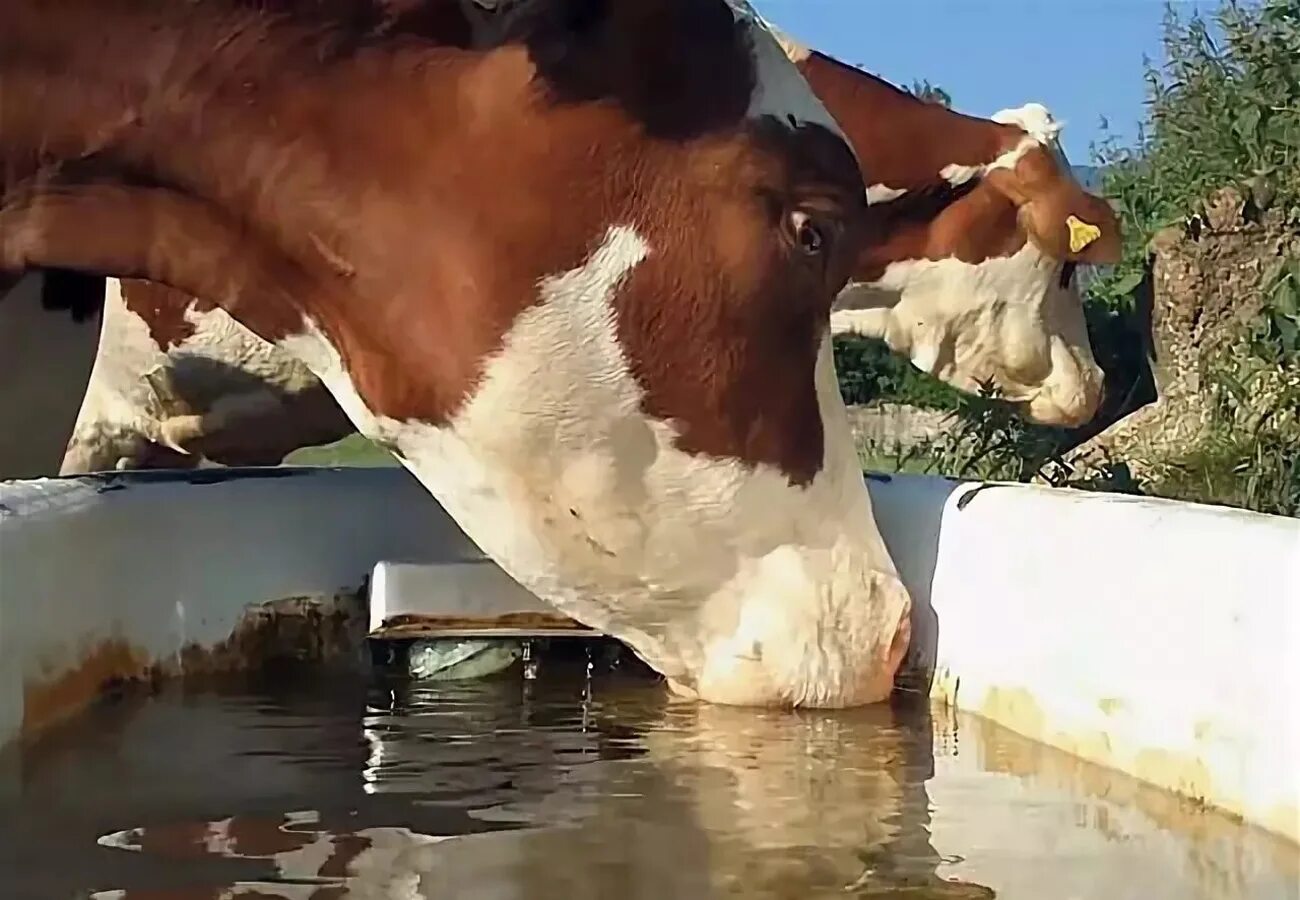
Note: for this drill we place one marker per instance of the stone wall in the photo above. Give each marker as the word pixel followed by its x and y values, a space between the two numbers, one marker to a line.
pixel 1206 281
pixel 890 425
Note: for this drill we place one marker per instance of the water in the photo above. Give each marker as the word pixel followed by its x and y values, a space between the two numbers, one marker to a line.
pixel 556 788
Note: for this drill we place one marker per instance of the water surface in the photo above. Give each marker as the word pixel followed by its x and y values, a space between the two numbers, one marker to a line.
pixel 560 788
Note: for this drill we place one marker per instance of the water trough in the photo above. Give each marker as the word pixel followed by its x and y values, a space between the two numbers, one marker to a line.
pixel 1152 637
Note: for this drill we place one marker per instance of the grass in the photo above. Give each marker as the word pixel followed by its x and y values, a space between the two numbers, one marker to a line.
pixel 900 460
pixel 353 450
pixel 1254 472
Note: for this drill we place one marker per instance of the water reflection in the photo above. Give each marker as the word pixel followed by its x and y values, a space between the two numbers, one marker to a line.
pixel 554 788
pixel 629 793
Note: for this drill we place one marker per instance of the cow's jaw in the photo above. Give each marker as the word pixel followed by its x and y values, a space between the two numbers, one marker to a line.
pixel 737 585
pixel 971 323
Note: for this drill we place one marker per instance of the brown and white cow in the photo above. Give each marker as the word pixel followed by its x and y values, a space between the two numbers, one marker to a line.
pixel 577 276
pixel 977 227
pixel 951 273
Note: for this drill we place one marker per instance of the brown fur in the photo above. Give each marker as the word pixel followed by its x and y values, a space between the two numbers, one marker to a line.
pixel 162 309
pixel 904 142
pixel 900 141
pixel 356 162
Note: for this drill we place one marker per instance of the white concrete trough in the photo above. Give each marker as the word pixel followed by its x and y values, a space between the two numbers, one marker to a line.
pixel 469 619
pixel 135 574
pixel 1160 639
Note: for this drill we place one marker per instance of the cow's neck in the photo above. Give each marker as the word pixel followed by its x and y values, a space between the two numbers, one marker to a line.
pixel 157 121
pixel 80 77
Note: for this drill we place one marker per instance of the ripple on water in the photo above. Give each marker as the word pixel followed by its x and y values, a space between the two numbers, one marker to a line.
pixel 554 788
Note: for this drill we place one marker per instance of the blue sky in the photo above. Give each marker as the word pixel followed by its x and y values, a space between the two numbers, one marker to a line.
pixel 1082 59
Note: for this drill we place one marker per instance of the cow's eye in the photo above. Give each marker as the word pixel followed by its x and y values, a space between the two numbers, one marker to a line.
pixel 808 235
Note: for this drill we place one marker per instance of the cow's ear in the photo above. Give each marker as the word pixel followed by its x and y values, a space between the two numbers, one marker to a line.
pixel 1062 219
pixel 679 67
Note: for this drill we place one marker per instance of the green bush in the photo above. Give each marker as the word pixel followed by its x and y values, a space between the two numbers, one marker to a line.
pixel 1251 457
pixel 1223 110
pixel 870 372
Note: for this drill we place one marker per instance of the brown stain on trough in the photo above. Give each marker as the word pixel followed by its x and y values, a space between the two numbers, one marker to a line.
pixel 47 702
pixel 1206 830
pixel 1175 791
pixel 411 624
pixel 310 631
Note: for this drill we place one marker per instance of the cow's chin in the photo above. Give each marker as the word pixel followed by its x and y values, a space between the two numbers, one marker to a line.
pixel 1068 398
pixel 797 626
pixel 808 628
pixel 1071 395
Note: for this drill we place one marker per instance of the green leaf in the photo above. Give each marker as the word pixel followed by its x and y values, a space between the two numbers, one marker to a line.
pixel 1286 296
pixel 1234 388
pixel 1247 123
pixel 1289 332
pixel 1127 283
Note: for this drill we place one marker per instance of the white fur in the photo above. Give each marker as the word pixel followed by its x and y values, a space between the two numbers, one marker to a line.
pixel 1041 130
pixel 796 51
pixel 554 470
pixel 883 193
pixel 1034 119
pixel 957 175
pixel 1005 317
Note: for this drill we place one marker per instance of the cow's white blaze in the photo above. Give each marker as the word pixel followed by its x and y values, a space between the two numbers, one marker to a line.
pixel 735 584
pixel 1040 128
pixel 957 174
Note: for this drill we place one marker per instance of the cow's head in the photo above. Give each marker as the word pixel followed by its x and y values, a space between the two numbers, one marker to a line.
pixel 976 229
pixel 579 280
pixel 975 278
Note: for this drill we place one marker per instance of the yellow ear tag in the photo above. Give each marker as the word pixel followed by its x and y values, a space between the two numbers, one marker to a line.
pixel 1081 233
